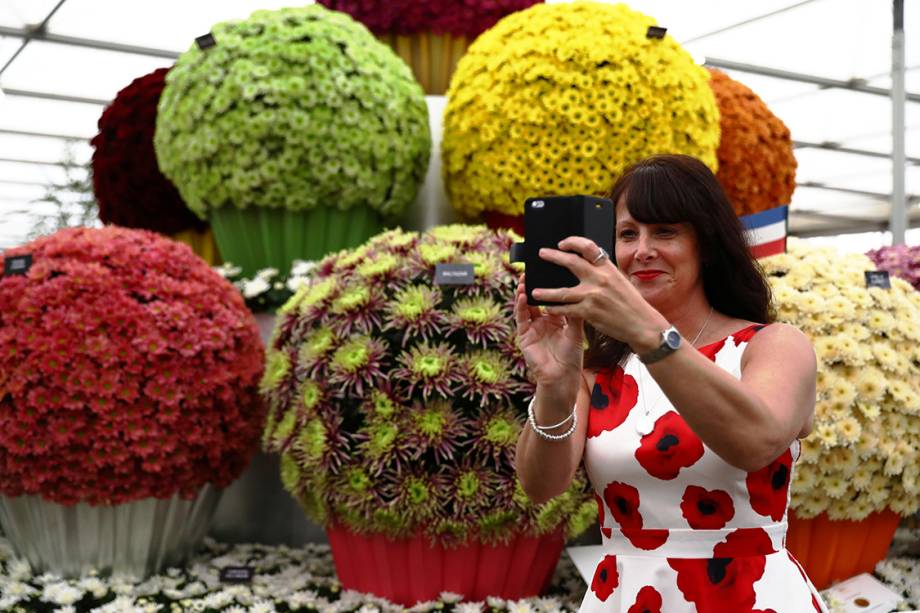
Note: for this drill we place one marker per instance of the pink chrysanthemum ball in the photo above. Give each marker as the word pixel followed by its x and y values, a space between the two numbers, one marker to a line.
pixel 128 369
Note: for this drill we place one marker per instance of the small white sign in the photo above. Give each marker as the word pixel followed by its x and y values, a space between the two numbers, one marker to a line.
pixel 863 594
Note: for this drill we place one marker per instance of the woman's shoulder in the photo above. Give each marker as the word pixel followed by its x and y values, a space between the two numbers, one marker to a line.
pixel 779 341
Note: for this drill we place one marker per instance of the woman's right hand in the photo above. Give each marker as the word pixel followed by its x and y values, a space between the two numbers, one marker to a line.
pixel 552 345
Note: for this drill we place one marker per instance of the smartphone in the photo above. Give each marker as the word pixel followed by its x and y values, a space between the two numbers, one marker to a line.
pixel 548 220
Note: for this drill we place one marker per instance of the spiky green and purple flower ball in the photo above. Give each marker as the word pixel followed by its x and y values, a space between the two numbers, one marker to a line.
pixel 396 403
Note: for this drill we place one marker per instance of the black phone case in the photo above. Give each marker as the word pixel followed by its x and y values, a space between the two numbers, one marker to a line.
pixel 550 219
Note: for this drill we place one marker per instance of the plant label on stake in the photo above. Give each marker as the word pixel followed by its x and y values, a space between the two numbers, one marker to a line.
pixel 17 264
pixel 878 278
pixel 206 41
pixel 454 274
pixel 237 574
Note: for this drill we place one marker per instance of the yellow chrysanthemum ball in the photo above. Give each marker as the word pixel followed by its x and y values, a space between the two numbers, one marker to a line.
pixel 560 98
pixel 863 453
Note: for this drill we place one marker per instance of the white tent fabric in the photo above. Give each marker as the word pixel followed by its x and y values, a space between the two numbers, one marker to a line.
pixel 57 84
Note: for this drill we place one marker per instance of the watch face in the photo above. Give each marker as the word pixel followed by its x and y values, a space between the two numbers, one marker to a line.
pixel 672 338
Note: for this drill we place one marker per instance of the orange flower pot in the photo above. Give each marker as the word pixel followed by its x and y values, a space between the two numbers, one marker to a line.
pixel 410 570
pixel 833 550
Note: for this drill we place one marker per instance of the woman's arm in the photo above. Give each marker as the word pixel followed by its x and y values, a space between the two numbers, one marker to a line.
pixel 545 467
pixel 747 422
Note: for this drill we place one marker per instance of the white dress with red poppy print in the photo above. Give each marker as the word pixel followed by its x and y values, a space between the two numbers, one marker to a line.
pixel 682 529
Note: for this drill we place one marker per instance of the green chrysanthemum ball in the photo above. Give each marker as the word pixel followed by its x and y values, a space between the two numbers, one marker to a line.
pixel 560 98
pixel 396 403
pixel 293 109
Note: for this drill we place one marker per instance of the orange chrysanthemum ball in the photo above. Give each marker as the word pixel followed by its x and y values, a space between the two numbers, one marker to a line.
pixel 756 164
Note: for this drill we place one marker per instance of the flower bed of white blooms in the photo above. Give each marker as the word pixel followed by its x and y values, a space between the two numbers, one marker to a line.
pixel 303 579
pixel 286 579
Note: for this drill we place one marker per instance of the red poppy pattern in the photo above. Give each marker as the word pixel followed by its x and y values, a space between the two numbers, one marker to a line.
pixel 623 501
pixel 768 487
pixel 648 600
pixel 606 578
pixel 712 349
pixel 706 510
pixel 672 445
pixel 737 563
pixel 613 397
pixel 602 517
pixel 744 336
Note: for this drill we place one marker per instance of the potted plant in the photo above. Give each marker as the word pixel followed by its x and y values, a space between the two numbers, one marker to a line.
pixel 859 468
pixel 129 397
pixel 295 133
pixel 559 98
pixel 396 403
pixel 130 189
pixel 430 36
pixel 756 164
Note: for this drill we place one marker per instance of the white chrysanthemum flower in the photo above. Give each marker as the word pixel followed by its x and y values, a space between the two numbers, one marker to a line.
pixel 267 273
pixel 520 606
pixel 262 606
pixel 18 570
pixel 254 287
pixel 94 586
pixel 302 268
pixel 227 270
pixel 61 593
pixel 19 590
pixel 468 607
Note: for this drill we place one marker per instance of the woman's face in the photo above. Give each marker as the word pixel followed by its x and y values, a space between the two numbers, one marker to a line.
pixel 661 260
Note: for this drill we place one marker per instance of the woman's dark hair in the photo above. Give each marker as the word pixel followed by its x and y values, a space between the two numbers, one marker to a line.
pixel 681 189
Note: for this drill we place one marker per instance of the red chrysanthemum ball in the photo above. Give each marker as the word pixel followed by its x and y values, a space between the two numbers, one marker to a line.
pixel 468 18
pixel 756 164
pixel 128 369
pixel 130 189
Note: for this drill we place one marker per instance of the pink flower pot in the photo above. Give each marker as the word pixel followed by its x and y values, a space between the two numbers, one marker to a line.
pixel 411 570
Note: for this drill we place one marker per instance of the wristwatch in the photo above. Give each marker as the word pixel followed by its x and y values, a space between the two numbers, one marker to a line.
pixel 670 341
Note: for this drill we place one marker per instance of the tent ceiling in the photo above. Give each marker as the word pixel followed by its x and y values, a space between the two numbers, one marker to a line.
pixel 56 90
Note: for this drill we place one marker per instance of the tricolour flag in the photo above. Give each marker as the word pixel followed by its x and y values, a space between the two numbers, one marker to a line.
pixel 766 231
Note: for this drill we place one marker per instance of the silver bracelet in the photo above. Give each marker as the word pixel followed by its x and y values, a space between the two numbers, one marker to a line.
pixel 541 430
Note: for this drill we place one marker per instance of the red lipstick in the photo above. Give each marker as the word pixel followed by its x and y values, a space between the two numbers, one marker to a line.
pixel 647 275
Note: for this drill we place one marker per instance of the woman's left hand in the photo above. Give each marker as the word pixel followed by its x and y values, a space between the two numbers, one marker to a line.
pixel 604 297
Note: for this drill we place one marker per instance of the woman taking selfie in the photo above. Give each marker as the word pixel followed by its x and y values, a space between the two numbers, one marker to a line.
pixel 686 408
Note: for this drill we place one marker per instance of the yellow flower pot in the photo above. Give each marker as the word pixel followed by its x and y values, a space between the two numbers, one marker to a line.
pixel 202 243
pixel 432 57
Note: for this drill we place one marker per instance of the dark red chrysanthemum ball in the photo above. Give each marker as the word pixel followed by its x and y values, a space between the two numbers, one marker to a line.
pixel 468 18
pixel 130 189
pixel 128 369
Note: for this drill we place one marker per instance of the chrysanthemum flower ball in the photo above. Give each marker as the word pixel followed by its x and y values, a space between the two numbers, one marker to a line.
pixel 756 163
pixel 560 98
pixel 128 369
pixel 293 109
pixel 129 187
pixel 863 453
pixel 396 401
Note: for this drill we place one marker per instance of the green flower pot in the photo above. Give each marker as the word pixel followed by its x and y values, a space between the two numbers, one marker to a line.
pixel 260 237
